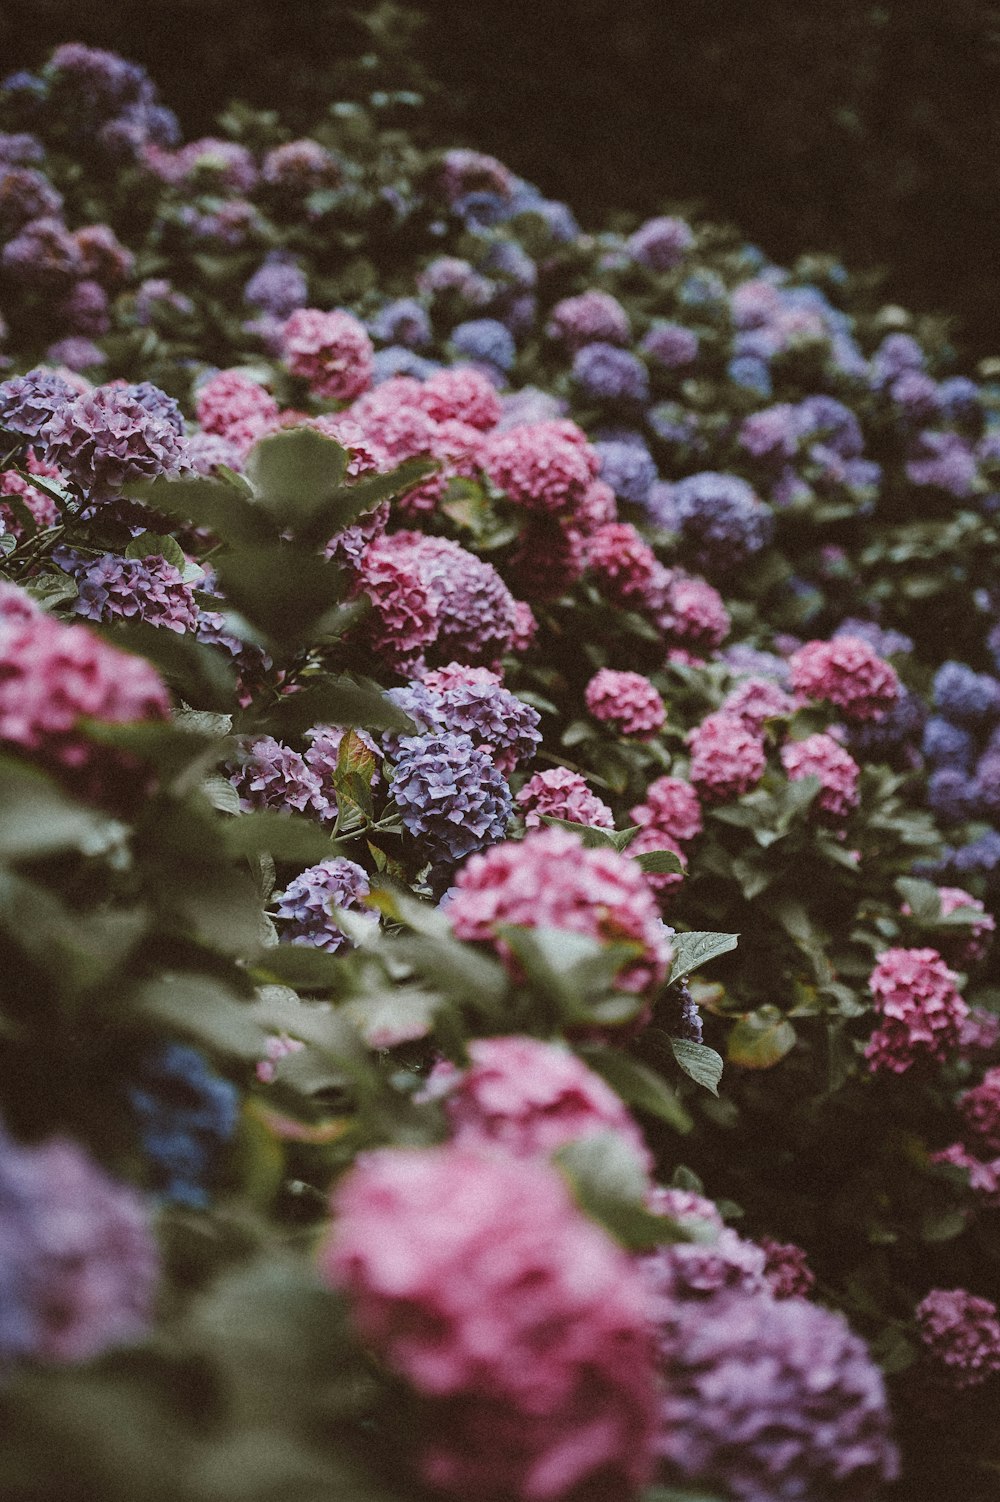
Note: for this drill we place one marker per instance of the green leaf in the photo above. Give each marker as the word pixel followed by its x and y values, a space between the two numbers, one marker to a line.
pixel 217 504
pixel 760 1040
pixel 397 1014
pixel 346 701
pixel 52 588
pixel 699 1063
pixel 201 675
pixel 294 472
pixel 943 1225
pixel 37 818
pixel 593 836
pixel 152 545
pixel 922 896
pixel 78 952
pixel 637 1085
pixel 694 950
pixel 280 589
pixel 302 966
pixel 609 1182
pixel 288 837
pixel 203 1009
pixel 660 863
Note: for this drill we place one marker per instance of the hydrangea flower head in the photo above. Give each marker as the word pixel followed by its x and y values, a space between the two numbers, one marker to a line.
pixel 627 702
pixel 559 793
pixel 550 879
pixel 451 798
pixel 142 589
pixel 964 696
pixel 721 520
pixel 28 403
pixel 920 1011
pixel 186 1114
pixel 276 777
pixel 468 1272
pixel 473 609
pixel 845 672
pixel 462 393
pixel 980 1110
pixel 330 351
pixel 109 436
pixel 670 345
pixel 588 318
pixel 305 907
pixel 606 373
pixel 404 614
pixel 661 243
pixel 628 468
pixel 786 1269
pixel 539 466
pixel 692 613
pixel 671 807
pixel 727 758
pixel 961 1335
pixel 757 700
pixel 821 756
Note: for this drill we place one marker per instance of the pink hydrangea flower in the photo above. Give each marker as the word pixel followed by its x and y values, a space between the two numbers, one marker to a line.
pixel 975 941
pixel 671 805
pixel 529 1099
pixel 757 700
pixel 474 610
pixel 463 393
pixel 693 614
pixel 559 793
pixel 961 1335
pixel 465 171
pixel 984 1173
pixel 404 616
pixel 519 1323
pixel 540 466
pixel 627 702
pixel 53 675
pixel 846 672
pixel 525 627
pixel 727 758
pixel 920 1011
pixel 549 879
pixel 622 562
pixel 330 351
pixel 41 507
pixel 980 1111
pixel 820 756
pixel 591 316
pixel 236 407
pixel 786 1269
pixel 598 508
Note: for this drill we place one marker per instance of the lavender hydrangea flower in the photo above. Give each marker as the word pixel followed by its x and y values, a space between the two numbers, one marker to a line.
pixel 43 255
pixel 397 360
pixel 75 352
pixel 824 417
pixel 670 344
pixel 661 244
pixel 403 321
pixel 186 1114
pixel 278 286
pixel 274 776
pixel 608 374
pixel 25 194
pixel 485 340
pixel 305 907
pixel 896 354
pixel 965 696
pixel 948 745
pixel 450 796
pixel 752 373
pixel 628 467
pixel 721 520
pixel 140 589
pixel 495 719
pixel 772 1399
pixel 29 402
pixel 108 437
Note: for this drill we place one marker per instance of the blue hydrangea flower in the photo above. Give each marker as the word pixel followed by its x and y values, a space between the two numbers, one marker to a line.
pixel 628 467
pixel 305 906
pixel 752 373
pixel 609 374
pixel 885 641
pixel 824 417
pixel 396 360
pixel 450 796
pixel 186 1115
pixel 951 795
pixel 980 857
pixel 721 520
pixel 948 745
pixel 508 261
pixel 485 339
pixel 403 321
pixel 965 696
pixel 896 354
pixel 902 723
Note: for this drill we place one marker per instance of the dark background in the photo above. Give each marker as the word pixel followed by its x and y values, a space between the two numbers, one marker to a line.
pixel 869 130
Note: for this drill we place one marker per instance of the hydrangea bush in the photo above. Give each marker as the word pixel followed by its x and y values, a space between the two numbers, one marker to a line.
pixel 501 740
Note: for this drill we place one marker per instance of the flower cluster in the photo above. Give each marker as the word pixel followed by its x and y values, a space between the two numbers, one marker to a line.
pixel 847 673
pixel 450 796
pixel 822 757
pixel 306 906
pixel 185 1115
pixel 727 758
pixel 627 702
pixel 960 1333
pixel 920 1011
pixel 558 793
pixel 145 589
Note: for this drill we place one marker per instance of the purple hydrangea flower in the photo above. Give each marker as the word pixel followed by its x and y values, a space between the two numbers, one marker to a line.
pixel 508 261
pixel 186 1114
pixel 278 287
pixel 948 745
pixel 43 255
pixel 494 719
pixel 670 344
pixel 212 628
pixel 109 436
pixel 29 402
pixel 158 403
pixel 528 406
pixel 403 321
pixel 961 399
pixel 451 797
pixel 78 1261
pixel 25 194
pixel 136 589
pixel 306 903
pixel 721 520
pixel 628 467
pixel 965 696
pixel 961 1335
pixel 951 795
pixel 661 244
pixel 896 354
pixel 885 641
pixel 448 275
pixel 608 374
pixel 76 352
pixel 85 310
pixel 485 340
pixel 902 723
pixel 20 149
pixel 946 461
pixel 274 776
pixel 752 373
pixel 772 1399
pixel 824 417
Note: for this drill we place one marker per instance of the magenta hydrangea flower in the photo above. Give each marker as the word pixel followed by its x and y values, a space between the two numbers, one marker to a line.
pixel 80 1264
pixel 237 407
pixel 622 562
pixel 42 508
pixel 550 879
pixel 961 1336
pixel 139 589
pixel 591 316
pixel 51 676
pixel 473 608
pixel 984 1173
pixel 525 629
pixel 980 1111
pixel 276 777
pixel 330 351
pixel 786 1269
pixel 527 1098
pixel 627 702
pixel 661 243
pixel 920 1011
pixel 757 700
pixel 692 614
pixel 772 1399
pixel 306 903
pixel 520 1324
pixel 462 393
pixel 848 673
pixel 558 793
pixel 112 435
pixel 727 758
pixel 682 1270
pixel 971 944
pixel 598 508
pixel 403 620
pixel 820 756
pixel 541 467
pixel 671 806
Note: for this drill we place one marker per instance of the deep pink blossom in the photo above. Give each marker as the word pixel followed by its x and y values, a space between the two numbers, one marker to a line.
pixel 820 756
pixel 330 351
pixel 627 702
pixel 671 805
pixel 727 759
pixel 561 794
pixel 846 672
pixel 461 392
pixel 540 466
pixel 920 1011
pixel 961 1335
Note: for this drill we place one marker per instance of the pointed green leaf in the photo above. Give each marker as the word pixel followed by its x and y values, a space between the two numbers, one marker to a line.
pixel 637 1085
pixel 699 1063
pixel 694 950
pixel 760 1039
